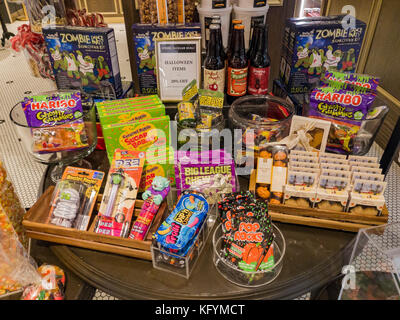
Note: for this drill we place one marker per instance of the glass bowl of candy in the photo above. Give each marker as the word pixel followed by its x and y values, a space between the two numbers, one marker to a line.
pixel 259 119
pixel 258 264
pixel 57 127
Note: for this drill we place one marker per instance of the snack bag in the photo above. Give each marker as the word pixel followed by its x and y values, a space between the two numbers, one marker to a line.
pixel 17 269
pixel 211 172
pixel 118 203
pixel 56 121
pixel 52 286
pixel 183 223
pixel 345 109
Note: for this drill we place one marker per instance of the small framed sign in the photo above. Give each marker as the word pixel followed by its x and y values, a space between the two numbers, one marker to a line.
pixel 178 62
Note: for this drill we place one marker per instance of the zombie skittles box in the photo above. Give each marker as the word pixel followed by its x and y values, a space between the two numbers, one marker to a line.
pixel 313 46
pixel 85 58
pixel 144 46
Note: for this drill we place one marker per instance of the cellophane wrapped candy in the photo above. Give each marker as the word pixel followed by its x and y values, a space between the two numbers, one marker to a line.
pixel 10 207
pixel 17 268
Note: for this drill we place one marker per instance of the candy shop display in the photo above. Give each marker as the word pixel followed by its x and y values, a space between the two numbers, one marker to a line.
pixel 56 121
pixel 118 203
pixel 85 58
pixel 248 248
pixel 315 45
pixel 74 198
pixel 335 182
pixel 33 46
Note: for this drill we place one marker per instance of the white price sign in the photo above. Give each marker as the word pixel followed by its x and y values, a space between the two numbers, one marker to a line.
pixel 178 63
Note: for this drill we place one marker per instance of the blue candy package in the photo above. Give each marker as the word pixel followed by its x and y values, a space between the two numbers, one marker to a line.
pixel 179 228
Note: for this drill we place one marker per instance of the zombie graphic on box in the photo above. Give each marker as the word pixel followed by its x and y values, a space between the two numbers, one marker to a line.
pixel 314 45
pixel 85 58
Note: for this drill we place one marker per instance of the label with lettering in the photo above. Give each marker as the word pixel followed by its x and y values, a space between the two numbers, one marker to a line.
pixel 237 81
pixel 214 80
pixel 258 80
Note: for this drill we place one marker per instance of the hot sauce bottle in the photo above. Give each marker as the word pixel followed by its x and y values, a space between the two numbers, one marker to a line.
pixel 237 66
pixel 259 66
pixel 214 65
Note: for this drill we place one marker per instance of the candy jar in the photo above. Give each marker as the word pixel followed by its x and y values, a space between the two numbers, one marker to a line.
pixel 45 12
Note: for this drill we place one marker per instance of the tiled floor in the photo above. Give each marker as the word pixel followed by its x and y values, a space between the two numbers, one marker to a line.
pixel 15 81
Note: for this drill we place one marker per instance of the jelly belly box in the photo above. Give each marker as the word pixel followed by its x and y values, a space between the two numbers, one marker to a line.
pixel 144 47
pixel 85 57
pixel 313 46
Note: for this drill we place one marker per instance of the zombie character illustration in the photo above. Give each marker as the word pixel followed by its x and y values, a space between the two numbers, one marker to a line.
pixel 72 66
pixel 103 70
pixel 332 59
pixel 302 55
pixel 349 60
pixel 57 58
pixel 86 66
pixel 147 59
pixel 316 62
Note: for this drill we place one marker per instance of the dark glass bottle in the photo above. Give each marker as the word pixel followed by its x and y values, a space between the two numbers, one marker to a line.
pixel 259 66
pixel 214 64
pixel 254 40
pixel 237 66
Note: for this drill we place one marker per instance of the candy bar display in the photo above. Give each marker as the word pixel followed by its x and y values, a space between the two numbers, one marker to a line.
pixel 335 182
pixel 248 248
pixel 180 239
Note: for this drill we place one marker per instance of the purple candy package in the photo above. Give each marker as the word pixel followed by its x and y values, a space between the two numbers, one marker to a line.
pixel 351 79
pixel 210 172
pixel 344 108
pixel 52 109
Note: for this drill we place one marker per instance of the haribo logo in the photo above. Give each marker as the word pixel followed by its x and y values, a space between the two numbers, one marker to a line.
pixel 53 104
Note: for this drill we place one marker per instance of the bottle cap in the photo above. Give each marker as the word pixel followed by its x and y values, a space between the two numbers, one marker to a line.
pixel 236 21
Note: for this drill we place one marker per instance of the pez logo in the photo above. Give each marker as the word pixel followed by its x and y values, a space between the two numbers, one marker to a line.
pixel 349 280
pixel 349 21
pixel 49 16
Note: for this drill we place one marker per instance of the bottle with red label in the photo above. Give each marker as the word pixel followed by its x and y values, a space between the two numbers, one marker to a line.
pixel 237 66
pixel 230 45
pixel 259 66
pixel 214 64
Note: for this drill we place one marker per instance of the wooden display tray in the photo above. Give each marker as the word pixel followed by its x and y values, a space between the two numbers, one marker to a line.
pixel 344 221
pixel 37 228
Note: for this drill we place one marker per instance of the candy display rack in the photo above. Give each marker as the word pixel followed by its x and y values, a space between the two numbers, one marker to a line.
pixel 345 221
pixel 37 228
pixel 183 267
